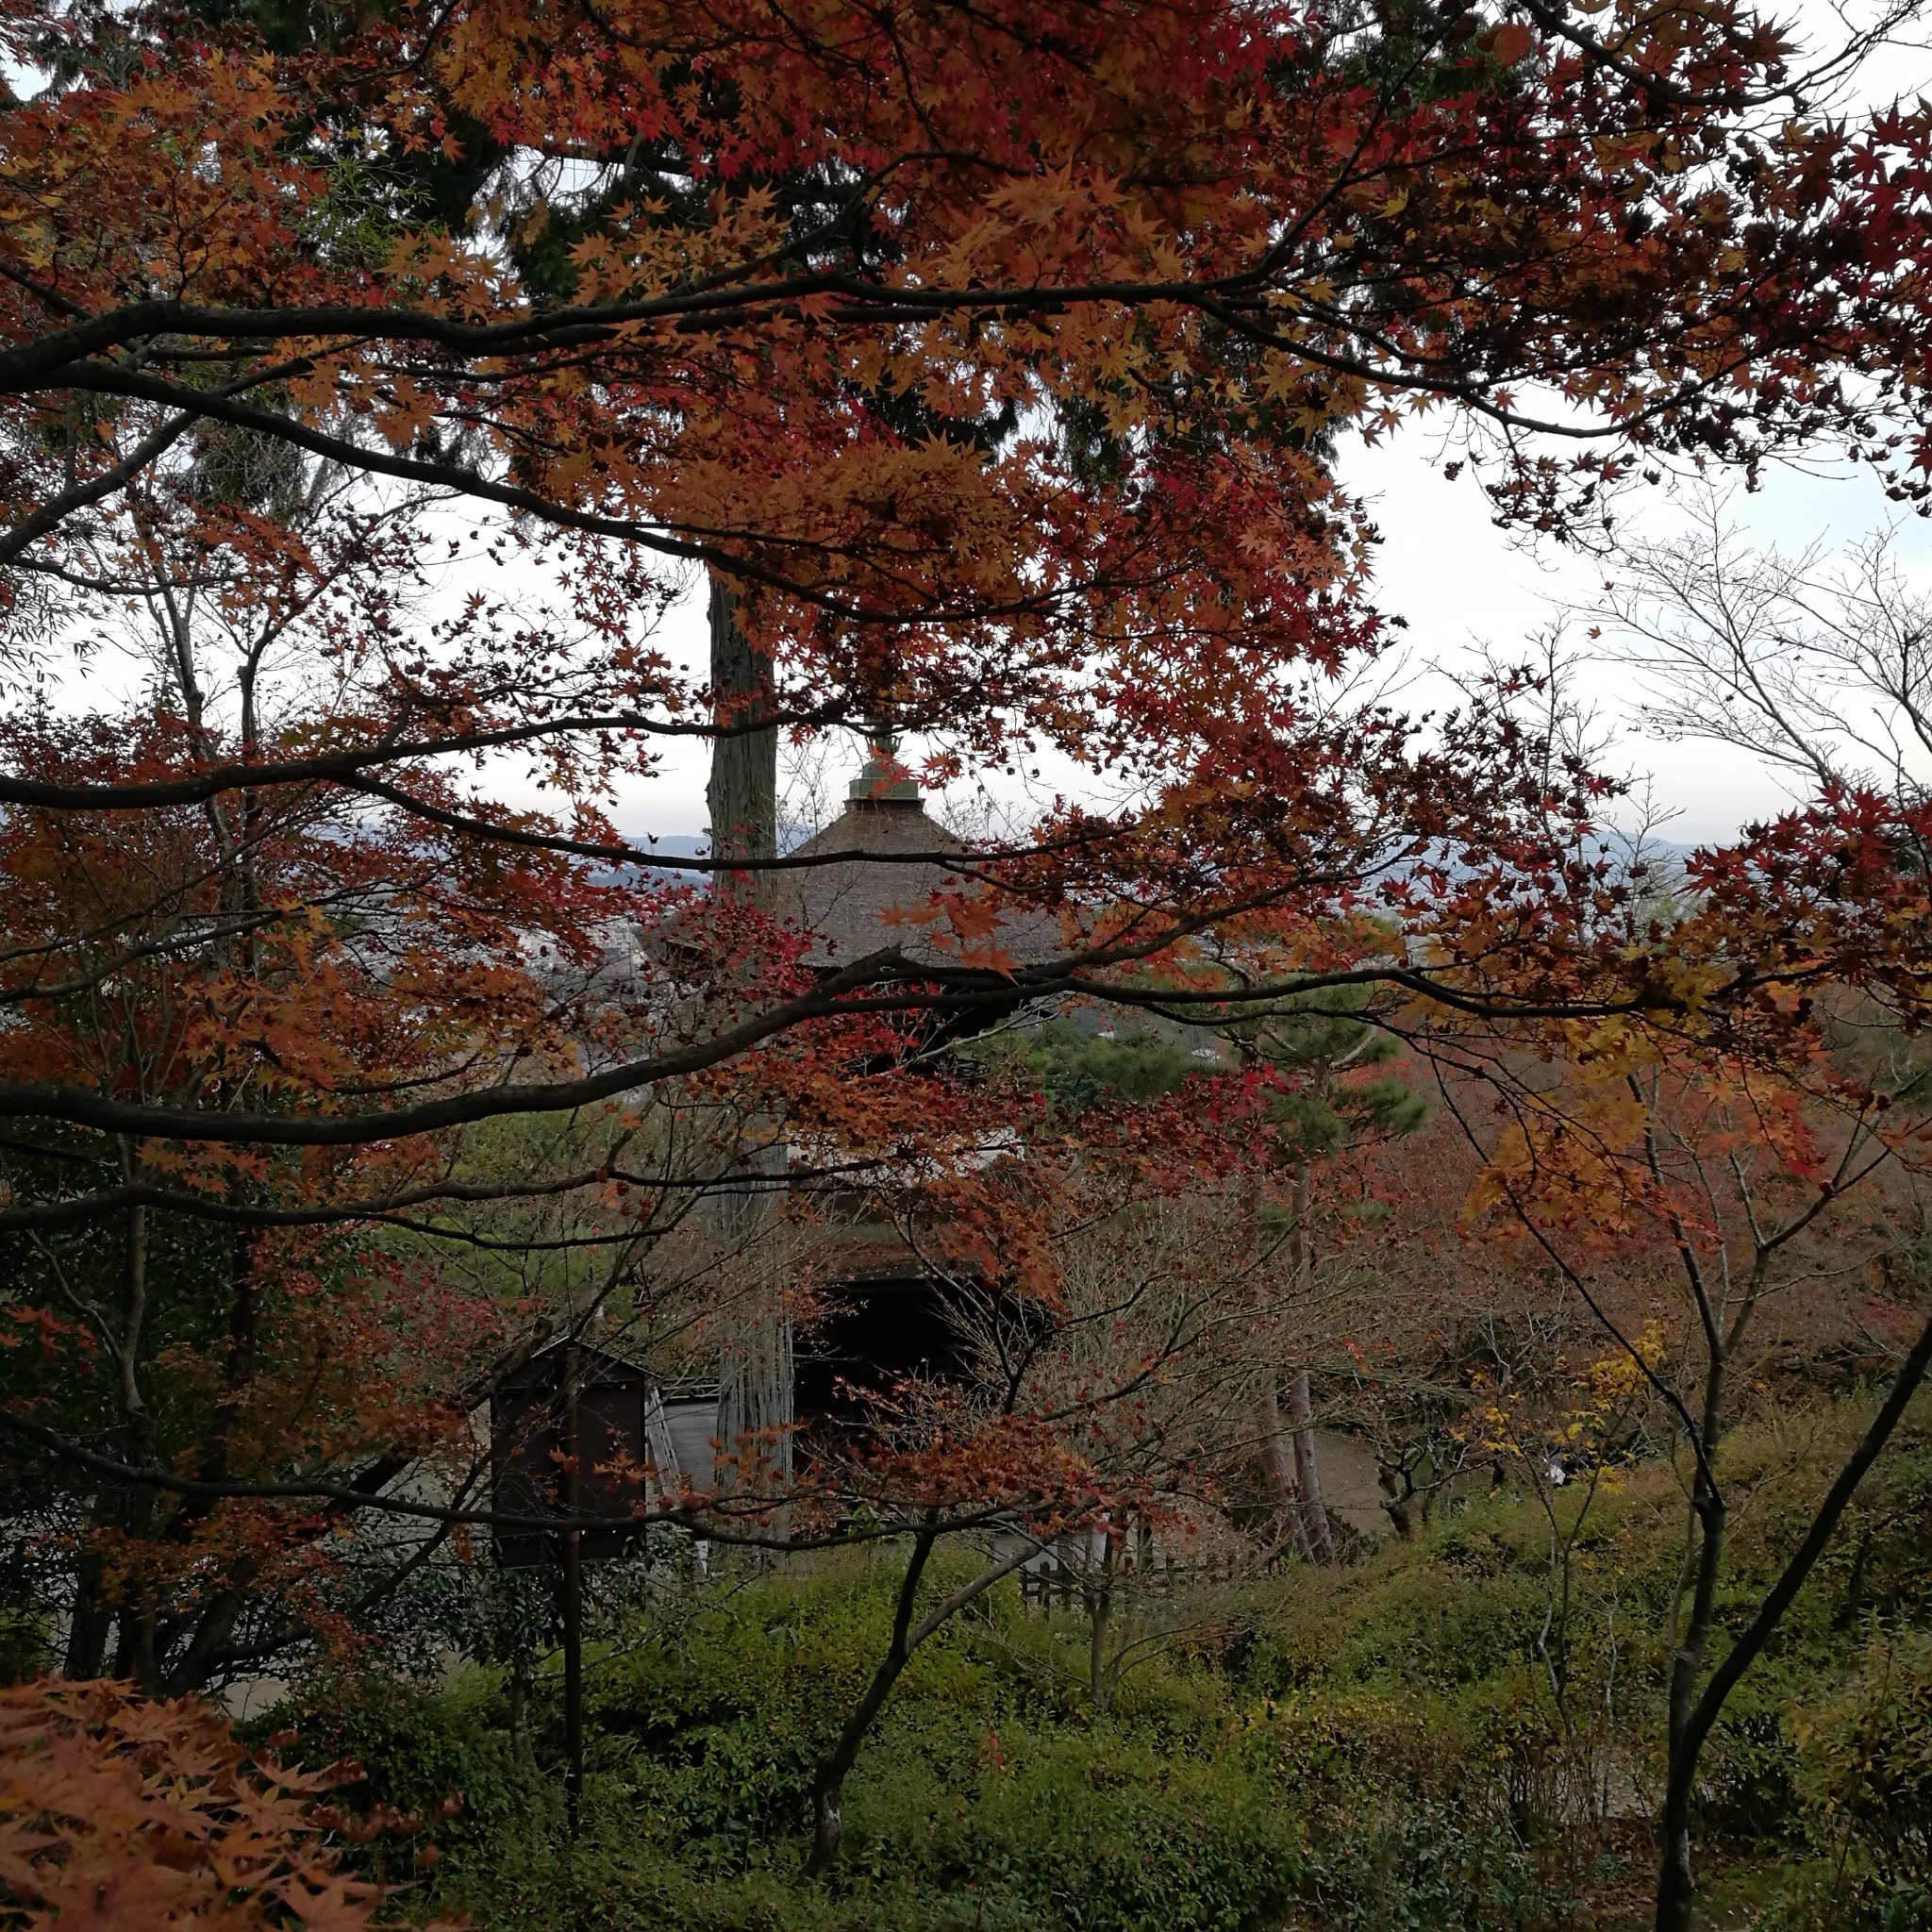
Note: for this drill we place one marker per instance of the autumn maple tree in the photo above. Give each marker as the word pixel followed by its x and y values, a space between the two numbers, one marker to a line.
pixel 1767 1170
pixel 385 374
pixel 967 370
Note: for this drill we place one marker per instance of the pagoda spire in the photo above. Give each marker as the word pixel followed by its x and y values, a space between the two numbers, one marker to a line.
pixel 882 779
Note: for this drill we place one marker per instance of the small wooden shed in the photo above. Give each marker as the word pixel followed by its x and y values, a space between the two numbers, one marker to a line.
pixel 574 1399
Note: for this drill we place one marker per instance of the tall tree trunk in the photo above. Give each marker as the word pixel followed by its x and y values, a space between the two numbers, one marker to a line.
pixel 1314 1516
pixel 1307 1469
pixel 1285 1499
pixel 95 1616
pixel 147 1638
pixel 93 1623
pixel 743 792
pixel 135 1648
pixel 1100 1616
pixel 1676 1888
pixel 572 1555
pixel 1277 1468
pixel 214 1631
pixel 829 1778
pixel 143 1502
pixel 755 1371
pixel 1676 1885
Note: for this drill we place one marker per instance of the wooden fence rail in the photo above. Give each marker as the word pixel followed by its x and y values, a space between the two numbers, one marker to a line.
pixel 1057 1581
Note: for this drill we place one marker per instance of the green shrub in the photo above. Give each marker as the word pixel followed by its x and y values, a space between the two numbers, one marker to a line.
pixel 1865 1783
pixel 418 1751
pixel 1421 1867
pixel 986 1791
pixel 1380 1746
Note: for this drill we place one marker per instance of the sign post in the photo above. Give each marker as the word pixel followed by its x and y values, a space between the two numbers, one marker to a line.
pixel 572 1615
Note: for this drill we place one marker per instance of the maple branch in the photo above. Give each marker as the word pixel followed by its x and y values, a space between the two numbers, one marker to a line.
pixel 341 767
pixel 654 535
pixel 1758 1632
pixel 709 1519
pixel 50 514
pixel 1475 1006
pixel 85 1108
pixel 176 943
pixel 389 1208
pixel 62 359
pixel 1657 87
pixel 53 298
pixel 831 999
pixel 107 379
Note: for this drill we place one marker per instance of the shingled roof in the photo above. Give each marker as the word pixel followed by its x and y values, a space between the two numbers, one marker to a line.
pixel 846 906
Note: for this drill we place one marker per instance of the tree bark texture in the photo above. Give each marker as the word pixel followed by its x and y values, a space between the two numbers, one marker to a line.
pixel 828 1781
pixel 742 794
pixel 1307 1471
pixel 755 1370
pixel 573 1556
pixel 1307 1468
pixel 1285 1501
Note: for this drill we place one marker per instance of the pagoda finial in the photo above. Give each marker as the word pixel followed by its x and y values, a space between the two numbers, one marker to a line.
pixel 882 779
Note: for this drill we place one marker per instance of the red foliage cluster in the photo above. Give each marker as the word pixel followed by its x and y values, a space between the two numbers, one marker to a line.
pixel 125 1815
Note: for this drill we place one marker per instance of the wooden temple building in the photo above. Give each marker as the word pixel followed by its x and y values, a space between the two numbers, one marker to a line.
pixel 884 1317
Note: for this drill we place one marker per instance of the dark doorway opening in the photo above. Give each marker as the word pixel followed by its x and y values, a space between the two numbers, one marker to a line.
pixel 877 1335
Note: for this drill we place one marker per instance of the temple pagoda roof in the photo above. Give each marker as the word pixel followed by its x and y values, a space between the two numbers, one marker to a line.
pixel 848 905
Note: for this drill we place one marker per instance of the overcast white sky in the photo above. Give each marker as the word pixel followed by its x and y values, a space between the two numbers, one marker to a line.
pixel 1463 584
